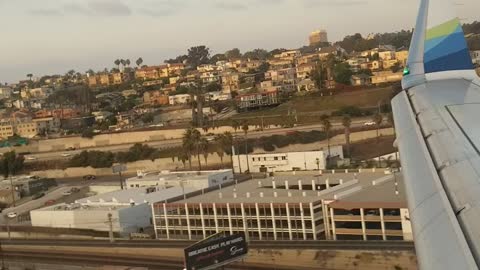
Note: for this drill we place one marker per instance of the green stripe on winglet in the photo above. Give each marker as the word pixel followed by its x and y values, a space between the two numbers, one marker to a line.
pixel 443 29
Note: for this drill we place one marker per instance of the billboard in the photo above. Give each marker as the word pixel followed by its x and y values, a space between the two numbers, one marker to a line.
pixel 216 252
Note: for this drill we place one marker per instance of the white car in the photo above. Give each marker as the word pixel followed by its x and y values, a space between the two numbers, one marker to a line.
pixel 66 154
pixel 12 215
pixel 66 193
pixel 368 124
pixel 31 158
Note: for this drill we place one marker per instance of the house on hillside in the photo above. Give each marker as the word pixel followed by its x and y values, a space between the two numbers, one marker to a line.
pixel 360 80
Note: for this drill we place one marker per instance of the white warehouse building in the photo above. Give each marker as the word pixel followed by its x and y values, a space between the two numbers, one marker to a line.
pixel 193 179
pixel 130 210
pixel 290 161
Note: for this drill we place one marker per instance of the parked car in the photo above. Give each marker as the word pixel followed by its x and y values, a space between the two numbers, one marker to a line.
pixel 89 177
pixel 66 154
pixel 31 158
pixel 50 202
pixel 66 193
pixel 370 123
pixel 38 196
pixel 74 190
pixel 12 215
pixel 71 149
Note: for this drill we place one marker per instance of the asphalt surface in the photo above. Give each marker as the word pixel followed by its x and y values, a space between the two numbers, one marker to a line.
pixel 318 244
pixel 165 144
pixel 24 208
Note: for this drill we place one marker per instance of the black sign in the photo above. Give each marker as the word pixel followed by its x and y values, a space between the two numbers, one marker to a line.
pixel 216 252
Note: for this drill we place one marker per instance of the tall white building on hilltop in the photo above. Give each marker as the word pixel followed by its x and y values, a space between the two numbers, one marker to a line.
pixel 319 36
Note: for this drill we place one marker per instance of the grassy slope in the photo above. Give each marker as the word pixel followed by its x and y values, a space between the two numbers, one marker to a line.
pixel 313 103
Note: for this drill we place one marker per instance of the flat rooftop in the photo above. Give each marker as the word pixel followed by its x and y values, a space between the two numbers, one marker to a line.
pixel 343 186
pixel 80 207
pixel 136 195
pixel 168 175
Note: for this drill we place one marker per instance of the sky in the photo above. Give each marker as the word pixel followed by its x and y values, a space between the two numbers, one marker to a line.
pixel 54 36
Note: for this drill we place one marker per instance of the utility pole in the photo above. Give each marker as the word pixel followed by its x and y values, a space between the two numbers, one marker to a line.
pixel 110 232
pixel 13 191
pixel 121 180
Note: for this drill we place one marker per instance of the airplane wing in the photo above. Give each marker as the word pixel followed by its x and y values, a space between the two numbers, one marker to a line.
pixel 438 136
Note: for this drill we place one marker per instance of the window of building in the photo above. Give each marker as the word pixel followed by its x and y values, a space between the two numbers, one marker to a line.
pixel 284 158
pixel 275 158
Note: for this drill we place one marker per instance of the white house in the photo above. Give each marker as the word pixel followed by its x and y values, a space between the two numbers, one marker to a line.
pixel 197 180
pixel 290 161
pixel 179 99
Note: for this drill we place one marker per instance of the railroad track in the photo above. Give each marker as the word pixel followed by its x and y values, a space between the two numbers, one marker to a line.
pixel 98 260
pixel 331 245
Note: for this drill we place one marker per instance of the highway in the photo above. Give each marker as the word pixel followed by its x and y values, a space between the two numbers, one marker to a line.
pixel 165 144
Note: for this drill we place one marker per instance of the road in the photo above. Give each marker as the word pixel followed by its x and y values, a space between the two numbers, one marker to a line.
pixel 35 204
pixel 165 144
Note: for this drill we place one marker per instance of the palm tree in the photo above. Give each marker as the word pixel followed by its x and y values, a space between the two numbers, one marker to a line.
pixel 327 126
pixel 139 62
pixel 123 62
pixel 245 131
pixel 347 122
pixel 117 63
pixel 220 148
pixel 204 148
pixel 196 141
pixel 188 145
pixel 228 143
pixel 378 119
pixel 127 62
pixel 30 75
pixel 235 125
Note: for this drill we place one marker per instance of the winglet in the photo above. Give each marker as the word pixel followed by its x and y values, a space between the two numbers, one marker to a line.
pixel 438 49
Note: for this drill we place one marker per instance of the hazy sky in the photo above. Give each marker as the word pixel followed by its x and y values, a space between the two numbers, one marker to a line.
pixel 53 36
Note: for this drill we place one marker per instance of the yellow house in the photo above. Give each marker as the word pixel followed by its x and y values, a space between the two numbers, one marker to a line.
pixel 402 57
pixel 386 77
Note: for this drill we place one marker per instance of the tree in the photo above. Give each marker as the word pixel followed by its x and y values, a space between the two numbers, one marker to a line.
pixel 233 53
pixel 245 128
pixel 127 62
pixel 217 57
pixel 11 164
pixel 257 54
pixel 347 122
pixel 220 147
pixel 204 145
pixel 148 118
pixel 227 143
pixel 342 73
pixel 318 75
pixel 88 133
pixel 213 87
pixel 139 62
pixel 198 55
pixel 29 76
pixel 378 119
pixel 327 126
pixel 395 68
pixel 235 125
pixel 188 145
pixel 117 63
pixel 123 62
pixel 196 140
